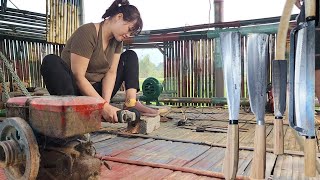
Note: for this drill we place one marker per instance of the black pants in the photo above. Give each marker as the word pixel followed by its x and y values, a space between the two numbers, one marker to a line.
pixel 59 79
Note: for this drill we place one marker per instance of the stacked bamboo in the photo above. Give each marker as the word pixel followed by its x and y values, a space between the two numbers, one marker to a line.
pixel 25 58
pixel 63 19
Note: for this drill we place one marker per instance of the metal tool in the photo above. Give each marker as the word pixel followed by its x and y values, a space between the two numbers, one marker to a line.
pixel 231 56
pixel 279 77
pixel 257 85
pixel 131 116
pixel 301 83
pixel 279 83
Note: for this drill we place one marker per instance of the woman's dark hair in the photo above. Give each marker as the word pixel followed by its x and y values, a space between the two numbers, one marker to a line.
pixel 130 14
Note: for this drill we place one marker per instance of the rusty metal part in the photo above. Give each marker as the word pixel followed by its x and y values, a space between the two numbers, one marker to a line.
pixel 73 160
pixel 19 148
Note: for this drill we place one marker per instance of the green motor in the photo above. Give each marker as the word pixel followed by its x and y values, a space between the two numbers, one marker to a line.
pixel 151 89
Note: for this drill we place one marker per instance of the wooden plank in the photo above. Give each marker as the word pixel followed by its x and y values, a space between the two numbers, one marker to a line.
pixel 245 158
pixel 285 165
pixel 206 160
pixel 247 139
pixel 269 139
pixel 146 172
pixel 290 140
pixel 184 154
pixel 109 142
pixel 143 151
pixel 295 168
pixel 118 170
pixel 122 146
pixel 289 167
pixel 180 175
pixel 187 154
pixel 278 167
pixel 270 161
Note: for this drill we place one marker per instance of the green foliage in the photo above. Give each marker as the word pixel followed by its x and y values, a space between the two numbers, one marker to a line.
pixel 149 69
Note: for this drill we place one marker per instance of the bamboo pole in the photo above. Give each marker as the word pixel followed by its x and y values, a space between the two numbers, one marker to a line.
pixel 77 9
pixel 60 16
pixel 25 52
pixel 62 38
pixel 56 37
pixel 48 11
pixel 73 16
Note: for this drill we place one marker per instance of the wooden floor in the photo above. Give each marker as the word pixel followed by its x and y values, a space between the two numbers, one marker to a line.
pixel 162 153
pixel 182 146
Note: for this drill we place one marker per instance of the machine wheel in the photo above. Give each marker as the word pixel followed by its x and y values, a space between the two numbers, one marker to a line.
pixel 19 150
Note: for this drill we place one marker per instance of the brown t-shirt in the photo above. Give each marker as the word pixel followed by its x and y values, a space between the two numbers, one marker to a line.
pixel 85 42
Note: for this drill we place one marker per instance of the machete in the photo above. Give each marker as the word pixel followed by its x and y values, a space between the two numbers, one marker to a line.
pixel 257 85
pixel 279 78
pixel 230 49
pixel 302 85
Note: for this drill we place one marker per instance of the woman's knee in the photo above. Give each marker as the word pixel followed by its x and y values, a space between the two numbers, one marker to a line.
pixel 50 60
pixel 129 55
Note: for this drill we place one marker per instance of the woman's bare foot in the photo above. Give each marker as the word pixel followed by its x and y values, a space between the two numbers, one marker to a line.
pixel 144 110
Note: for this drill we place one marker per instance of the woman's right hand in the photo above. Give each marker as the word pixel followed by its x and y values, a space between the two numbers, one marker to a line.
pixel 109 113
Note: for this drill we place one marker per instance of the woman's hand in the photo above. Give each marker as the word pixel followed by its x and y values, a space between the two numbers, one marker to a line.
pixel 109 113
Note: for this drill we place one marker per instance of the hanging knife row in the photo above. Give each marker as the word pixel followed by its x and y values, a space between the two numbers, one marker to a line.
pixel 300 70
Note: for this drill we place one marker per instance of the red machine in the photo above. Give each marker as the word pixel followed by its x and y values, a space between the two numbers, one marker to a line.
pixel 53 128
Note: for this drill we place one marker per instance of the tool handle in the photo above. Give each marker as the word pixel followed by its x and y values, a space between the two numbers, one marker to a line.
pixel 278 137
pixel 310 8
pixel 310 157
pixel 231 158
pixel 283 29
pixel 258 166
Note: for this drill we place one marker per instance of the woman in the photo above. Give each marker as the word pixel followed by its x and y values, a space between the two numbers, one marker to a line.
pixel 91 63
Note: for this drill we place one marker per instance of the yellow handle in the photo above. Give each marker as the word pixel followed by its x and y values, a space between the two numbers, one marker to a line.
pixel 310 157
pixel 283 29
pixel 278 137
pixel 231 158
pixel 258 166
pixel 310 7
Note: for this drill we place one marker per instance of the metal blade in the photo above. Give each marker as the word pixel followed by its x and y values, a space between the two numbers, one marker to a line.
pixel 279 86
pixel 230 43
pixel 257 74
pixel 304 80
